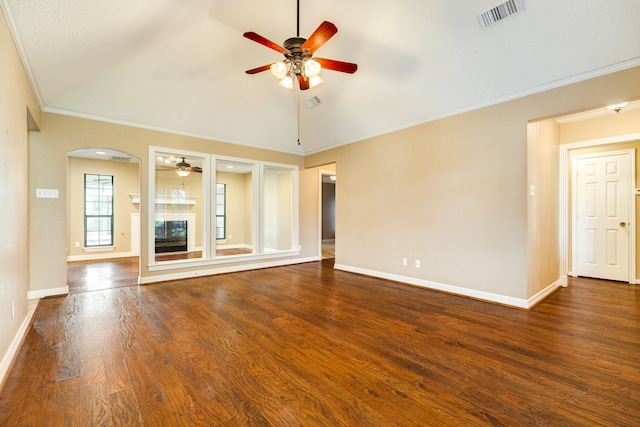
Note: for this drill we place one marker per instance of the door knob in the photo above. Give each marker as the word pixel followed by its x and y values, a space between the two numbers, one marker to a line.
pixel 622 224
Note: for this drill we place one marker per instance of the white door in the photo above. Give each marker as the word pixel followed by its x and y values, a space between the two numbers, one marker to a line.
pixel 602 212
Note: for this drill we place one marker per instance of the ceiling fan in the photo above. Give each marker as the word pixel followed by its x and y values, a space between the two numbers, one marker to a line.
pixel 299 63
pixel 177 164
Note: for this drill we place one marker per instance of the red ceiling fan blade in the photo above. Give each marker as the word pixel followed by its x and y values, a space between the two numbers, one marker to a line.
pixel 303 82
pixel 258 69
pixel 324 32
pixel 332 64
pixel 265 42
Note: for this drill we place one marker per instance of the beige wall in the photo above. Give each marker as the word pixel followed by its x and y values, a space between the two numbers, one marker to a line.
pixel 48 169
pixel 125 181
pixel 453 193
pixel 328 210
pixel 18 110
pixel 543 159
pixel 614 124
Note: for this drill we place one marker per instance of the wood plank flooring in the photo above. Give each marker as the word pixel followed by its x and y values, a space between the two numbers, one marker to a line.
pixel 308 345
pixel 86 276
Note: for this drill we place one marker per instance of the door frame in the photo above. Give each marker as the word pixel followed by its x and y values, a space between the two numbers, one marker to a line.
pixel 631 253
pixel 564 208
pixel 321 173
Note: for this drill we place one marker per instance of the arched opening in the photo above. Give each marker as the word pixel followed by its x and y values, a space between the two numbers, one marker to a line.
pixel 103 220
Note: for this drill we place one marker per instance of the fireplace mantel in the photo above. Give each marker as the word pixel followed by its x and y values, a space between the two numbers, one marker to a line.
pixel 166 200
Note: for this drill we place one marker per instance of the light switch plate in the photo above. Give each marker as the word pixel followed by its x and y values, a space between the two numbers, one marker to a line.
pixel 47 193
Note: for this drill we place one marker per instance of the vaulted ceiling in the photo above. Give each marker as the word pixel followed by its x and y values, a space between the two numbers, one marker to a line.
pixel 179 65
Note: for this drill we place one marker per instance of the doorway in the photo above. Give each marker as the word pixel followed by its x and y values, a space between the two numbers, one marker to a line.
pixel 327 215
pixel 110 211
pixel 602 212
pixel 566 226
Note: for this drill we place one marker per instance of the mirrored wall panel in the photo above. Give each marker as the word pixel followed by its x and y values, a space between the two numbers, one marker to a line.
pixel 235 209
pixel 279 222
pixel 209 209
pixel 179 207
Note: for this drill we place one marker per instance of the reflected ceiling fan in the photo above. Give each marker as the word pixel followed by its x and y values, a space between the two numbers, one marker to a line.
pixel 181 167
pixel 299 63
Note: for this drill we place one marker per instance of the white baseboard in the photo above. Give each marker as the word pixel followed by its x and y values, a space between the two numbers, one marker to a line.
pixel 43 293
pixel 457 290
pixel 234 246
pixel 92 257
pixel 12 351
pixel 222 270
pixel 540 296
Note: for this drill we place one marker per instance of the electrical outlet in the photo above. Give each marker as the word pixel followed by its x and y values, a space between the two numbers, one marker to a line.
pixel 417 263
pixel 404 261
pixel 77 244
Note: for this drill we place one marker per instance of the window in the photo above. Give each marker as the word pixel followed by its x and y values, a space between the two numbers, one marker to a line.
pixel 221 211
pixel 98 210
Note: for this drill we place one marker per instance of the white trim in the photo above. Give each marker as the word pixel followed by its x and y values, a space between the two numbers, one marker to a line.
pixel 51 292
pixel 99 256
pixel 544 293
pixel 12 351
pixel 211 262
pixel 457 290
pixel 99 118
pixel 563 221
pixel 21 51
pixel 98 248
pixel 234 246
pixel 222 270
pixel 621 66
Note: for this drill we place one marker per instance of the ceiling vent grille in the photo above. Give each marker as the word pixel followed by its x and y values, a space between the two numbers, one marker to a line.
pixel 120 158
pixel 500 12
pixel 313 102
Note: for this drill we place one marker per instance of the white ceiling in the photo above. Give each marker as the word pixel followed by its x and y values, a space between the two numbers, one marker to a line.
pixel 178 65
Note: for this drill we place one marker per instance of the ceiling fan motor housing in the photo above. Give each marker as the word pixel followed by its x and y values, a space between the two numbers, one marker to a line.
pixel 297 56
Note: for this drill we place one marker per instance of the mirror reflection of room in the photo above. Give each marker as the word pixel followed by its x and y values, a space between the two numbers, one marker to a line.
pixel 234 210
pixel 178 207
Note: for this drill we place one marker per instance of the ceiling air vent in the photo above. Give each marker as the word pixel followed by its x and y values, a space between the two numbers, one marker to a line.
pixel 120 158
pixel 500 12
pixel 313 102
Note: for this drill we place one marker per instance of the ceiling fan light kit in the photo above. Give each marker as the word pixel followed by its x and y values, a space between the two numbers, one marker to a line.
pixel 183 169
pixel 299 63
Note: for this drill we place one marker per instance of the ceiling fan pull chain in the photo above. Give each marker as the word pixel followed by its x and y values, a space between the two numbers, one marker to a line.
pixel 298 19
pixel 298 108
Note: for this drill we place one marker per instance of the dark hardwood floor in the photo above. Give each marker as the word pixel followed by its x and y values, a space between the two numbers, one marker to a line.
pixel 85 276
pixel 308 345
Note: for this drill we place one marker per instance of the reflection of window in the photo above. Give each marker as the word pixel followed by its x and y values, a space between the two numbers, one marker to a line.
pixel 255 202
pixel 221 211
pixel 178 193
pixel 98 210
